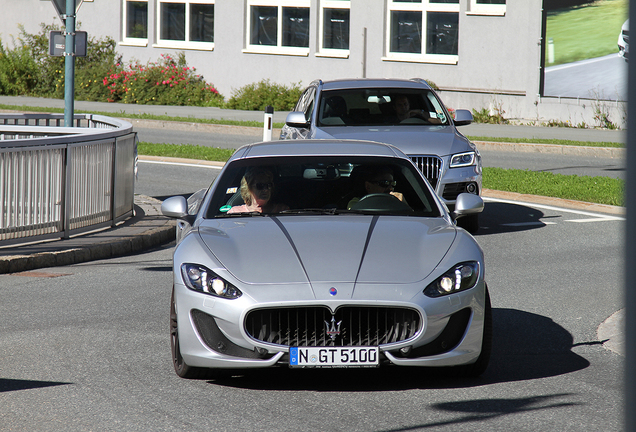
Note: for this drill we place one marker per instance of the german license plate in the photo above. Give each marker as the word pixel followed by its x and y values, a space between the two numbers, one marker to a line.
pixel 334 357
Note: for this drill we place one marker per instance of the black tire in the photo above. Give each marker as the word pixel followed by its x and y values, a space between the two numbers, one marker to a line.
pixel 180 366
pixel 469 223
pixel 479 367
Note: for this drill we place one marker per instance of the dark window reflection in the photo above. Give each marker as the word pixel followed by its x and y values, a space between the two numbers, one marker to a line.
pixel 173 21
pixel 499 2
pixel 336 29
pixel 406 32
pixel 137 19
pixel 202 22
pixel 264 25
pixel 442 32
pixel 296 27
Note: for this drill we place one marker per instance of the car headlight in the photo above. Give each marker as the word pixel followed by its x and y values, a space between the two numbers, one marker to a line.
pixel 201 279
pixel 462 159
pixel 461 277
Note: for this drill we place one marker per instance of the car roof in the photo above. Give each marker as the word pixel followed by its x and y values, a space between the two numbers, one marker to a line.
pixel 339 84
pixel 317 148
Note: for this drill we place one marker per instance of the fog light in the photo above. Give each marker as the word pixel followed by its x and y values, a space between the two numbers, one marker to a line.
pixel 471 188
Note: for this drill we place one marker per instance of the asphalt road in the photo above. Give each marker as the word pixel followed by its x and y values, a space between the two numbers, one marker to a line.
pixel 86 347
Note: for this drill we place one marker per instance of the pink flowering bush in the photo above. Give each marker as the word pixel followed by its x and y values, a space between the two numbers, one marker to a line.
pixel 169 81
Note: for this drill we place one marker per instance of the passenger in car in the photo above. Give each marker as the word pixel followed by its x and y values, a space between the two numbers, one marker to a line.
pixel 372 181
pixel 257 188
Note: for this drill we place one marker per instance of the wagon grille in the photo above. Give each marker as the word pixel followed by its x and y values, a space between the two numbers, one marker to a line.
pixel 308 326
pixel 430 166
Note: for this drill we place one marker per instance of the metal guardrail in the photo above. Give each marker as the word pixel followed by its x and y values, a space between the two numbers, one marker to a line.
pixel 57 182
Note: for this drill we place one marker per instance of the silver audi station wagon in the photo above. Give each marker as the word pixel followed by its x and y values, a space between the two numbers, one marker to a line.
pixel 322 254
pixel 405 113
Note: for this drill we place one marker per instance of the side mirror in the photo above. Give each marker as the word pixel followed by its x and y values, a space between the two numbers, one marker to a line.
pixel 467 204
pixel 463 117
pixel 297 119
pixel 175 207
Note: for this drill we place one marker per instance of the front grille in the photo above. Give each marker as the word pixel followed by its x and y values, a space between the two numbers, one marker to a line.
pixel 430 166
pixel 308 326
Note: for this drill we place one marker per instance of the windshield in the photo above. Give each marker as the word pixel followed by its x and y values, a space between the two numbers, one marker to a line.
pixel 321 185
pixel 377 107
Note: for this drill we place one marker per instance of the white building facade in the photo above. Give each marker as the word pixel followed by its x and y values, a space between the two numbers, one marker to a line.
pixel 480 53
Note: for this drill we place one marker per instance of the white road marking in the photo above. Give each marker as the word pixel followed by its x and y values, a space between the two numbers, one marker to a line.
pixel 599 219
pixel 578 63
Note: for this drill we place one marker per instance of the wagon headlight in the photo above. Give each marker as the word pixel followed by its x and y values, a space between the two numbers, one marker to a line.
pixel 462 159
pixel 460 278
pixel 202 279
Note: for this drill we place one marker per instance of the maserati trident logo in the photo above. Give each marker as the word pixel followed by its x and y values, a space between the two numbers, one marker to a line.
pixel 333 328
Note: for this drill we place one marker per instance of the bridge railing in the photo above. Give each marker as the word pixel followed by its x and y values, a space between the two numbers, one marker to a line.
pixel 57 182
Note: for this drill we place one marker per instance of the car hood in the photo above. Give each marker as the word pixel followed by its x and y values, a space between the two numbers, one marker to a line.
pixel 349 249
pixel 412 140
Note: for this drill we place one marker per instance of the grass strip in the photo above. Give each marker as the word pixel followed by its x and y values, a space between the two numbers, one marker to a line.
pixel 547 141
pixel 600 190
pixel 187 151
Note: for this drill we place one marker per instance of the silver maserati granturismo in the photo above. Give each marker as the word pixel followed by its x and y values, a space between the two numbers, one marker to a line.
pixel 323 254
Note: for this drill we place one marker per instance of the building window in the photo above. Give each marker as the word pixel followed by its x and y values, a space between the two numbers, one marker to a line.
pixel 423 31
pixel 278 26
pixel 487 7
pixel 135 19
pixel 186 24
pixel 334 27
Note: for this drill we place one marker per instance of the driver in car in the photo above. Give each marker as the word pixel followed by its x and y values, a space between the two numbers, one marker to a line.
pixel 378 180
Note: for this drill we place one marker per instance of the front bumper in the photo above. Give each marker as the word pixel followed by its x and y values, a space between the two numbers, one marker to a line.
pixel 211 332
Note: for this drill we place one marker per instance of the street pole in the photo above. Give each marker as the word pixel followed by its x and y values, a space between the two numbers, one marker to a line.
pixel 630 247
pixel 69 64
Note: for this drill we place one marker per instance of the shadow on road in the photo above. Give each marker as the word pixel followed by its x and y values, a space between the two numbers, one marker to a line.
pixel 526 346
pixel 7 385
pixel 500 218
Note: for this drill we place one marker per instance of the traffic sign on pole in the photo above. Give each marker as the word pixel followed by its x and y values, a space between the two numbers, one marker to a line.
pixel 60 7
